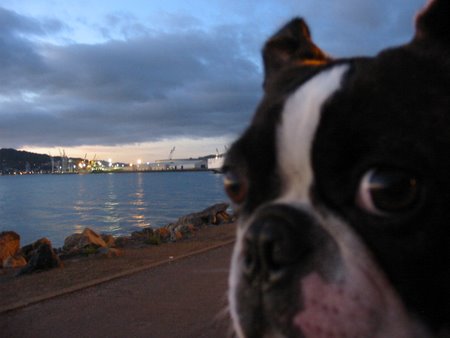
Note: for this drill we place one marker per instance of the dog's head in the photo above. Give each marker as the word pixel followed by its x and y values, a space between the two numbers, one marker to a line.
pixel 342 186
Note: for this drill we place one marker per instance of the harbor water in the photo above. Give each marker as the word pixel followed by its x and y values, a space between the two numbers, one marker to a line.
pixel 55 206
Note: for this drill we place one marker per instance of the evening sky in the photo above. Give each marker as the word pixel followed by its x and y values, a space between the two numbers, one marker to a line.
pixel 131 79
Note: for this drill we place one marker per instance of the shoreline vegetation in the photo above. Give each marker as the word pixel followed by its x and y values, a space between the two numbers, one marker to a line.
pixel 88 257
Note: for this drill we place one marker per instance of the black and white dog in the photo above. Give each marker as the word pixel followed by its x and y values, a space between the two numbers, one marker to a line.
pixel 342 186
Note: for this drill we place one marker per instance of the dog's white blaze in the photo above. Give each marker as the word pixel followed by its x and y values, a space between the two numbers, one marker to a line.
pixel 357 285
pixel 300 119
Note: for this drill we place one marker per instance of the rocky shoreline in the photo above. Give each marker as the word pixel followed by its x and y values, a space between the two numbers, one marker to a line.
pixel 41 256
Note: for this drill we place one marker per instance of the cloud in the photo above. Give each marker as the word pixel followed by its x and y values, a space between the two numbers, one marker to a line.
pixel 149 87
pixel 354 27
pixel 173 74
pixel 13 23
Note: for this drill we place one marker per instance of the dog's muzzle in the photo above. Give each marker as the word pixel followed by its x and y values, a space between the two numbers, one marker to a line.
pixel 299 275
pixel 280 245
pixel 278 241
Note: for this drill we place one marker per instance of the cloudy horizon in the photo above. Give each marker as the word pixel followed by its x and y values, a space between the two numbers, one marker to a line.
pixel 131 80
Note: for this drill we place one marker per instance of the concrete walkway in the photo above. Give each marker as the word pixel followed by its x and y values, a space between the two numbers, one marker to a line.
pixel 185 298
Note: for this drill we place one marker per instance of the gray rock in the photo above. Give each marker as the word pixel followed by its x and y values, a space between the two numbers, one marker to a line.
pixel 28 250
pixel 42 258
pixel 109 240
pixel 205 217
pixel 77 243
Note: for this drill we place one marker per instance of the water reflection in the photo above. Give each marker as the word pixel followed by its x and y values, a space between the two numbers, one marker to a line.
pixel 138 203
pixel 78 228
pixel 81 206
pixel 56 206
pixel 110 206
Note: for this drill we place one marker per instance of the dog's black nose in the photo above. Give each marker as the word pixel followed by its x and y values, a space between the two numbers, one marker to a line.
pixel 279 238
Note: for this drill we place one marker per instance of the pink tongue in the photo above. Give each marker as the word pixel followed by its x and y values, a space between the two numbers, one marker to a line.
pixel 332 311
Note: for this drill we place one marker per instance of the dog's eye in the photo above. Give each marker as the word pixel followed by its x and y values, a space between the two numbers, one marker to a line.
pixel 235 186
pixel 387 191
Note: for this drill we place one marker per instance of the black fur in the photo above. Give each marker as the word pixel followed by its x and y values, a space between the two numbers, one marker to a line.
pixel 392 111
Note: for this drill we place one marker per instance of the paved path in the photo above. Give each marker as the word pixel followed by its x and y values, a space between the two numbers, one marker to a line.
pixel 186 298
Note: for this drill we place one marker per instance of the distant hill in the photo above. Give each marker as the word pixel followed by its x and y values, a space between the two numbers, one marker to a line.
pixel 12 160
pixel 15 160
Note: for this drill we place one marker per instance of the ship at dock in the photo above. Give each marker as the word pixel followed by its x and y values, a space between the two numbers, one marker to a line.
pixel 216 163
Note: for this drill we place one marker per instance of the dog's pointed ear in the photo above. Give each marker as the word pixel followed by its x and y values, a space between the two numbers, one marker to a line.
pixel 292 44
pixel 433 22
